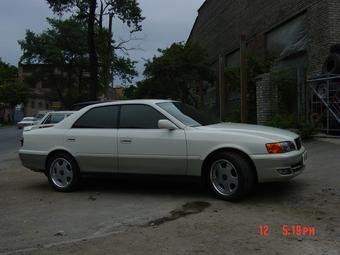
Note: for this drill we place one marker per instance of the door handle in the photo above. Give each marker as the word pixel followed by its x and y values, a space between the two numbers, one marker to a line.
pixel 126 140
pixel 71 139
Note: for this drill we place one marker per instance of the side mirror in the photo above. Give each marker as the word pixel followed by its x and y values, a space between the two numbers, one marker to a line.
pixel 166 124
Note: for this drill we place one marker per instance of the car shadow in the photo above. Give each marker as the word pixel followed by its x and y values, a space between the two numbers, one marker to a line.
pixel 273 193
pixel 144 185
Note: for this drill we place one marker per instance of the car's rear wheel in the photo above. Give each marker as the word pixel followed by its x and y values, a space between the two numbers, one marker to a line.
pixel 62 172
pixel 230 176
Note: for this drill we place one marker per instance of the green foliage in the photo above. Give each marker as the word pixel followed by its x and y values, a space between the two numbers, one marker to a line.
pixel 63 50
pixel 256 66
pixel 63 43
pixel 100 41
pixel 7 72
pixel 306 130
pixel 13 93
pixel 130 92
pixel 234 116
pixel 127 11
pixel 170 74
pixel 64 46
pixel 284 121
pixel 286 87
pixel 290 121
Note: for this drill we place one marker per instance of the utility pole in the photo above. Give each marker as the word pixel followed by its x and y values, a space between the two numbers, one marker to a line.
pixel 243 78
pixel 221 84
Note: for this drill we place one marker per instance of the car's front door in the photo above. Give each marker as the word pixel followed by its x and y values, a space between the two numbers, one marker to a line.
pixel 143 148
pixel 93 140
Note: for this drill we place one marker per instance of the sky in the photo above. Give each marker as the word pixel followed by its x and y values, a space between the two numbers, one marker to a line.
pixel 167 21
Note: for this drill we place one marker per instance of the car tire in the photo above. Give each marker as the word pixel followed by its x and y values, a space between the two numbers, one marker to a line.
pixel 62 172
pixel 230 176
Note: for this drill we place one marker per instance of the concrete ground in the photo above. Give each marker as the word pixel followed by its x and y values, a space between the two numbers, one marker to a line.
pixel 154 216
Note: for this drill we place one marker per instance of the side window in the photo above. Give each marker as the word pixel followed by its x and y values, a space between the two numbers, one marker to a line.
pixel 99 117
pixel 139 116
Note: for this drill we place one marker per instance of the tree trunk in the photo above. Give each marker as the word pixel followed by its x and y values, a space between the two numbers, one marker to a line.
pixel 92 51
pixel 108 76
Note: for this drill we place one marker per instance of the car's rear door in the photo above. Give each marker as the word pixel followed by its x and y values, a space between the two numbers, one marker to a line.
pixel 143 148
pixel 93 139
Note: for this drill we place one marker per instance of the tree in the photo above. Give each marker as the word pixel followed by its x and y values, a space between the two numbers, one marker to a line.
pixel 7 72
pixel 13 93
pixel 127 11
pixel 172 74
pixel 63 49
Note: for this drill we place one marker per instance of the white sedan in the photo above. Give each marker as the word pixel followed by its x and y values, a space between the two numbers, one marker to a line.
pixel 162 137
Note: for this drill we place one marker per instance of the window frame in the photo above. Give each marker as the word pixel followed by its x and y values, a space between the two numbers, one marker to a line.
pixel 117 118
pixel 164 117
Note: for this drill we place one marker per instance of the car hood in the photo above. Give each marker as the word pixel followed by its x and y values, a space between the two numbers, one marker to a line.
pixel 275 134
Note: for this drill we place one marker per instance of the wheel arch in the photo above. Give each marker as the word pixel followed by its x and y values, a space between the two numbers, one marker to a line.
pixel 227 149
pixel 60 150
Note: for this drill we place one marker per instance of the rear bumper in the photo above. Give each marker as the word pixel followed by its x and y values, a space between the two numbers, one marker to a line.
pixel 33 161
pixel 280 167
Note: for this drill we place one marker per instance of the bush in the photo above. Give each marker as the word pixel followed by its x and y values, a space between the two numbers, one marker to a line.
pixel 284 121
pixel 288 121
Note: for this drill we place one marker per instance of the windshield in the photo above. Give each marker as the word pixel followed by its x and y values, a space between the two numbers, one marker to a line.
pixel 40 115
pixel 188 115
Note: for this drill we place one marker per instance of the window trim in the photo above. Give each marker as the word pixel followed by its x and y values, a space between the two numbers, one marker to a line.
pixel 117 120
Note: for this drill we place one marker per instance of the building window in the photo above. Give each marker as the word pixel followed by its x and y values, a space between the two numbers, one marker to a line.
pixel 32 104
pixel 233 59
pixel 40 105
pixel 289 38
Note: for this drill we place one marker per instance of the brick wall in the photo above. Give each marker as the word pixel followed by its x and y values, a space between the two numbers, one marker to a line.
pixel 220 23
pixel 267 99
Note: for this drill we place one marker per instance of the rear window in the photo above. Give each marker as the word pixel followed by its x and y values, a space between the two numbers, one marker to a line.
pixel 99 117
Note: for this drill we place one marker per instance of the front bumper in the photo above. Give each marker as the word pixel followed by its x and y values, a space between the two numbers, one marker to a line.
pixel 33 161
pixel 280 167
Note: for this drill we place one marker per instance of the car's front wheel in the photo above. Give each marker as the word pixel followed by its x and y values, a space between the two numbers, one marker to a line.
pixel 62 172
pixel 230 176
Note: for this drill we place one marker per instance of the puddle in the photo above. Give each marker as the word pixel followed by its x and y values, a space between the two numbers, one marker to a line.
pixel 186 209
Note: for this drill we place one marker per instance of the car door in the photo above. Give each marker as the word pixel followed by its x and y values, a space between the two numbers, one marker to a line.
pixel 143 148
pixel 93 140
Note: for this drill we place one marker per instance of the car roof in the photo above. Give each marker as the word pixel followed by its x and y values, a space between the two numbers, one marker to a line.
pixel 62 112
pixel 67 123
pixel 136 101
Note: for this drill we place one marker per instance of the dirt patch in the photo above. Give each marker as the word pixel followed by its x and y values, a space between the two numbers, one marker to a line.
pixel 186 209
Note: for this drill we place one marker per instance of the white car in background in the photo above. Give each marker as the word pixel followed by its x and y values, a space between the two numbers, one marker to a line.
pixel 27 121
pixel 50 119
pixel 162 137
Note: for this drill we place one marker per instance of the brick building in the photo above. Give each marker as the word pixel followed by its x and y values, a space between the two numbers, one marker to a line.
pixel 44 95
pixel 300 32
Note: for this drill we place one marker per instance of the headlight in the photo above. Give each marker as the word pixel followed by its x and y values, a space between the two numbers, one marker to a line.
pixel 283 147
